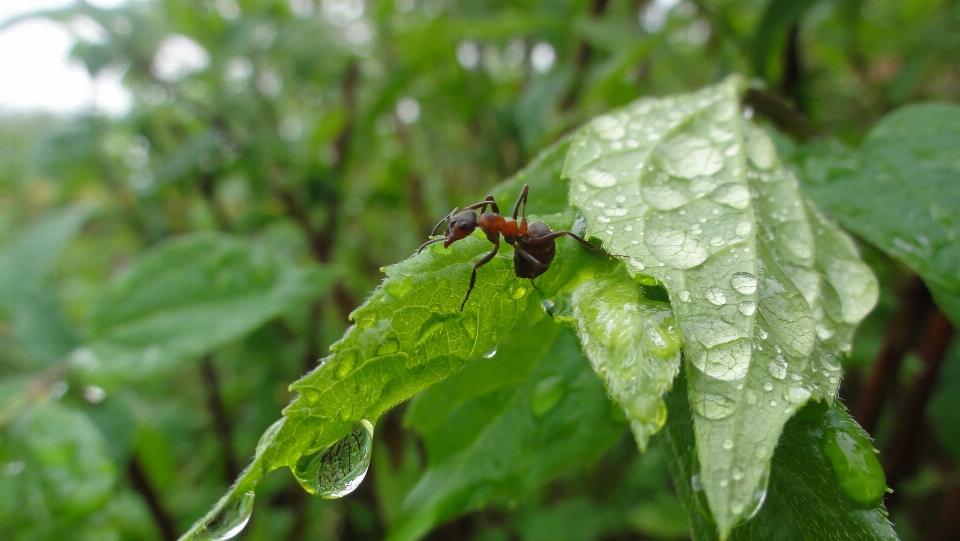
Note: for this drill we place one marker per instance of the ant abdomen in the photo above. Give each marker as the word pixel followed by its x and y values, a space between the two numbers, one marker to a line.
pixel 543 253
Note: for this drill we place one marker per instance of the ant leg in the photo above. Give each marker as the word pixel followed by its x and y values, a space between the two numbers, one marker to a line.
pixel 473 276
pixel 483 205
pixel 526 255
pixel 522 199
pixel 534 284
pixel 551 236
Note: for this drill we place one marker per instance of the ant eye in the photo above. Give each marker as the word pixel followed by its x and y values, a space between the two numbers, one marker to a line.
pixel 465 226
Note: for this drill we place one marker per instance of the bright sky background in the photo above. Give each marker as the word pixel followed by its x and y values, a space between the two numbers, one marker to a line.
pixel 35 70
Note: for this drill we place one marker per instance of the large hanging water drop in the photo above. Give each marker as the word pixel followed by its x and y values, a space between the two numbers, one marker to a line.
pixel 229 522
pixel 337 470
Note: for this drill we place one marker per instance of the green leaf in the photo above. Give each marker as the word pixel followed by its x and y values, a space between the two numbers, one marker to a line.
pixel 808 496
pixel 27 266
pixel 772 26
pixel 408 335
pixel 632 343
pixel 902 195
pixel 65 461
pixel 697 198
pixel 187 297
pixel 492 431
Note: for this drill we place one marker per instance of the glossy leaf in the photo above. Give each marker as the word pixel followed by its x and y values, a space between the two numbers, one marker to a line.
pixel 185 298
pixel 804 499
pixel 900 194
pixel 697 198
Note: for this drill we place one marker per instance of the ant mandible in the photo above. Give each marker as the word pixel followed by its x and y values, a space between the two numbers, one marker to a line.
pixel 534 243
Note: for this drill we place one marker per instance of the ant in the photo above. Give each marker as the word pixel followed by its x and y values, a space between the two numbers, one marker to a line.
pixel 534 244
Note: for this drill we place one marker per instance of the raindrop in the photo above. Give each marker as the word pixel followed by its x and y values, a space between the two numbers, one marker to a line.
pixel 608 127
pixel 337 470
pixel 743 229
pixel 777 367
pixel 773 403
pixel 714 406
pixel 399 287
pixel 751 397
pixel 797 394
pixel 679 249
pixel 695 483
pixel 732 195
pixel 728 444
pixel 736 474
pixel 345 363
pixel 736 507
pixel 829 361
pixel 515 290
pixel 747 308
pixel 715 296
pixel 388 347
pixel 489 354
pixel 683 295
pixel 229 521
pixel 744 283
pixel 600 178
pixel 767 386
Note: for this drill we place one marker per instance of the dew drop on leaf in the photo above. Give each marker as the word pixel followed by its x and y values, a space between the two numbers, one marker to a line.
pixel 747 308
pixel 797 395
pixel 855 465
pixel 714 406
pixel 732 195
pixel 678 249
pixel 388 347
pixel 515 290
pixel 398 287
pixel 715 295
pixel 337 470
pixel 345 363
pixel 744 283
pixel 489 354
pixel 683 295
pixel 777 367
pixel 228 522
pixel 600 178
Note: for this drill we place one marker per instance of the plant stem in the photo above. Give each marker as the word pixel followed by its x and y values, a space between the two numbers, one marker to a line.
pixel 140 482
pixel 221 422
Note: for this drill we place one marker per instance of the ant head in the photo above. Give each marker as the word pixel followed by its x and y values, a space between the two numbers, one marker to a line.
pixel 461 225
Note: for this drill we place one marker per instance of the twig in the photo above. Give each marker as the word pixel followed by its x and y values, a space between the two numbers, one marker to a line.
pixel 138 478
pixel 790 84
pixel 901 334
pixel 584 53
pixel 221 422
pixel 933 350
pixel 781 112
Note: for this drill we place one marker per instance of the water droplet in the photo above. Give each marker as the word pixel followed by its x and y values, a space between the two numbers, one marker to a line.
pixel 547 394
pixel 689 156
pixel 736 507
pixel 743 229
pixel 736 474
pixel 491 353
pixel 715 295
pixel 854 463
pixel 732 195
pixel 713 406
pixel 695 483
pixel 388 347
pixel 751 397
pixel 761 152
pixel 744 283
pixel 762 333
pixel 830 361
pixel 679 249
pixel 344 363
pixel 337 470
pixel 723 483
pixel 797 394
pixel 773 403
pixel 777 367
pixel 600 178
pixel 747 308
pixel 727 444
pixel 608 127
pixel 762 451
pixel 515 290
pixel 683 295
pixel 767 386
pixel 229 521
pixel 399 286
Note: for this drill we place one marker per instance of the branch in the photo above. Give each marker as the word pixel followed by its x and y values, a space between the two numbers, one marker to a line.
pixel 912 311
pixel 221 422
pixel 138 478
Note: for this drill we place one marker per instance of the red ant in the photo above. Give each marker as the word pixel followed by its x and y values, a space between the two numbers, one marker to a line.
pixel 534 244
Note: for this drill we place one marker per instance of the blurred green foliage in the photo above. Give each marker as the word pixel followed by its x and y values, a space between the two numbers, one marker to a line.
pixel 279 154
